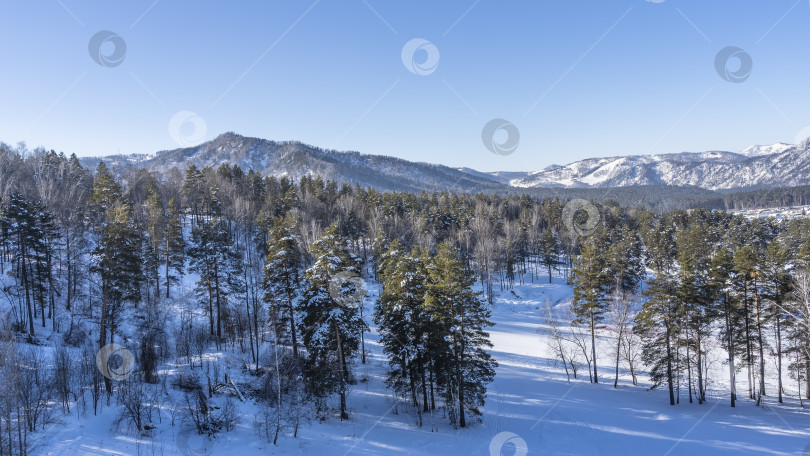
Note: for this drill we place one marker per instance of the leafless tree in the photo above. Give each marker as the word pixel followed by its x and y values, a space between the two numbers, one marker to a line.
pixel 63 379
pixel 581 338
pixel 620 318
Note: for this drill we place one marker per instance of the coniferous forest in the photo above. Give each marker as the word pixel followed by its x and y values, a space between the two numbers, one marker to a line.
pixel 109 276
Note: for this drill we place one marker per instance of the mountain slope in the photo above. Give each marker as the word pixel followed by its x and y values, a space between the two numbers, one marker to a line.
pixel 294 159
pixel 769 166
pixel 778 165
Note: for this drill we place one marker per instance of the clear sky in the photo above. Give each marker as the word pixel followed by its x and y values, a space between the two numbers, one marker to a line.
pixel 576 79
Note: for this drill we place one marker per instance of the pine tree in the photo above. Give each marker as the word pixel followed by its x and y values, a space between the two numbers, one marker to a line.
pixel 173 249
pixel 282 277
pixel 777 287
pixel 330 329
pixel 405 325
pixel 28 227
pixel 117 253
pixel 156 229
pixel 211 256
pixel 464 367
pixel 549 251
pixel 695 298
pixel 658 322
pixel 746 263
pixel 195 192
pixel 624 264
pixel 590 283
pixel 721 285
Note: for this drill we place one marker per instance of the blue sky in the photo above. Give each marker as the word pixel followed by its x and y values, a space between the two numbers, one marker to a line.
pixel 576 78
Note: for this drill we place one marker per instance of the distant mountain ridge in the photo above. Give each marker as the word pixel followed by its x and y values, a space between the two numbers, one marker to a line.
pixel 295 160
pixel 777 165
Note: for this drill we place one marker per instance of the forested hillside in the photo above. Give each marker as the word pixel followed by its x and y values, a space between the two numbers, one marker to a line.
pixel 93 264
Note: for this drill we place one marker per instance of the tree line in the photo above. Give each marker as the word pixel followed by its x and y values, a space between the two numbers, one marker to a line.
pixel 716 280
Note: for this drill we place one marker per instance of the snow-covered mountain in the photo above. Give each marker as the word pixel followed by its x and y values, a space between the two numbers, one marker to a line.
pixel 779 165
pixel 294 159
pixel 755 151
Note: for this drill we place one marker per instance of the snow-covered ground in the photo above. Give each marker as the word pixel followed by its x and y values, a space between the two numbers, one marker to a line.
pixel 531 410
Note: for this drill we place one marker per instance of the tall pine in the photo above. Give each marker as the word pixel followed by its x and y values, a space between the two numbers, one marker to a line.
pixel 465 367
pixel 331 330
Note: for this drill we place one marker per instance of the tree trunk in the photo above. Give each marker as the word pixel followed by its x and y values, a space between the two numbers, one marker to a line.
pixel 22 261
pixel 701 391
pixel 669 368
pixel 732 381
pixel 618 354
pixel 343 414
pixel 102 337
pixel 748 352
pixel 292 321
pixel 593 348
pixel 219 303
pixel 168 259
pixel 462 422
pixel 761 348
pixel 688 367
pixel 779 356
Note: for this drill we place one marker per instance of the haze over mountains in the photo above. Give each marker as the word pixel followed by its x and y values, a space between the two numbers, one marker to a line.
pixel 778 165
